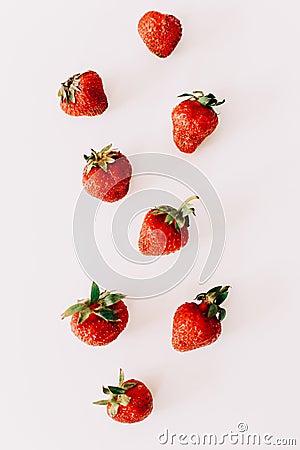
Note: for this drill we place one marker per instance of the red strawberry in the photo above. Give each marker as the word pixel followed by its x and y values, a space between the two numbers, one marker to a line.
pixel 165 229
pixel 107 174
pixel 129 402
pixel 83 95
pixel 100 319
pixel 196 325
pixel 193 120
pixel 160 32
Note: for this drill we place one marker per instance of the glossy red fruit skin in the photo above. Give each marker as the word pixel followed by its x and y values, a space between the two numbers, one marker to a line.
pixel 192 123
pixel 97 331
pixel 151 240
pixel 193 329
pixel 139 407
pixel 160 32
pixel 112 185
pixel 204 307
pixel 90 100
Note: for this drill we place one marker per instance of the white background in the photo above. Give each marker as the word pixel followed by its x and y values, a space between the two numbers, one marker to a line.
pixel 243 51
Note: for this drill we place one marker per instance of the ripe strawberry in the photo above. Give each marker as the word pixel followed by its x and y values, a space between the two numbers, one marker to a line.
pixel 196 325
pixel 193 120
pixel 129 402
pixel 107 174
pixel 160 32
pixel 100 319
pixel 165 229
pixel 83 95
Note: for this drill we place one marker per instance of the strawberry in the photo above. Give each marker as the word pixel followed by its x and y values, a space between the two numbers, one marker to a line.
pixel 165 229
pixel 129 402
pixel 193 120
pixel 198 324
pixel 160 32
pixel 99 319
pixel 83 95
pixel 107 174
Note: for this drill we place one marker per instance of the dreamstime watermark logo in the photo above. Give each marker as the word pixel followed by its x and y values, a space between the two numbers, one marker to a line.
pixel 241 437
pixel 93 261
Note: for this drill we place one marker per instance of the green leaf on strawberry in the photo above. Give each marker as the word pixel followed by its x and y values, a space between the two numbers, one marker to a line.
pixel 107 314
pixel 101 159
pixel 73 310
pixel 222 314
pixel 68 89
pixel 124 400
pixel 212 311
pixel 101 402
pixel 111 299
pixel 129 385
pixel 114 409
pixel 213 299
pixel 95 292
pixel 83 315
pixel 221 297
pixel 177 217
pixel 214 290
pixel 100 304
pixel 208 100
pixel 116 390
pixel 117 395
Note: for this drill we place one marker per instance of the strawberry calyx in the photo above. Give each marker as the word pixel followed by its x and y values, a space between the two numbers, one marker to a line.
pixel 117 395
pixel 178 217
pixel 101 159
pixel 68 89
pixel 210 302
pixel 99 303
pixel 208 100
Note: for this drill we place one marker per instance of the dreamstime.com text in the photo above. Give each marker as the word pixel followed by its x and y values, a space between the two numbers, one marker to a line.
pixel 240 437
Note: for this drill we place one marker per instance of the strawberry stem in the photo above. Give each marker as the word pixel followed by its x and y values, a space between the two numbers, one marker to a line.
pixel 177 217
pixel 214 298
pixel 188 200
